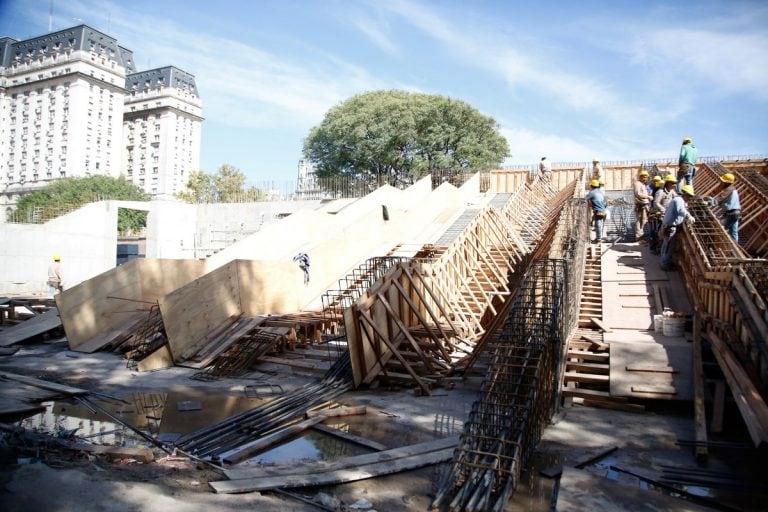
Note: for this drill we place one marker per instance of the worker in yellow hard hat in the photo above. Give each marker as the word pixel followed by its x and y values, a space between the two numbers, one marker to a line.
pixel 727 198
pixel 661 199
pixel 654 218
pixel 55 276
pixel 675 217
pixel 598 207
pixel 642 204
pixel 686 163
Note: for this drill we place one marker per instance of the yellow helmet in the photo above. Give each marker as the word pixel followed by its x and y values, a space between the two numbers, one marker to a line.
pixel 56 257
pixel 594 183
pixel 687 140
pixel 643 173
pixel 658 179
pixel 727 178
pixel 670 179
pixel 687 189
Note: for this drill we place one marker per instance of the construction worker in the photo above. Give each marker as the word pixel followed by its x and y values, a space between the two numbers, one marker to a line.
pixel 55 272
pixel 642 204
pixel 728 199
pixel 597 171
pixel 686 163
pixel 674 218
pixel 597 205
pixel 654 218
pixel 545 169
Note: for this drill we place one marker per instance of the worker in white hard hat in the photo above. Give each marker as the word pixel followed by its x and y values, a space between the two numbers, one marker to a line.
pixel 55 276
pixel 686 163
pixel 675 217
pixel 642 203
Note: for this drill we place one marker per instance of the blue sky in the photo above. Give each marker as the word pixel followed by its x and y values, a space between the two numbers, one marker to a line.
pixel 619 80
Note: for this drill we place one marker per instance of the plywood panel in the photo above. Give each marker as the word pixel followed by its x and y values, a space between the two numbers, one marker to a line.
pixel 192 311
pixel 270 287
pixel 110 299
pixel 627 306
pixel 653 382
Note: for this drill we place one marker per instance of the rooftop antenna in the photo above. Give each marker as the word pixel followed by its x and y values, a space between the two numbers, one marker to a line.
pixel 50 18
pixel 109 21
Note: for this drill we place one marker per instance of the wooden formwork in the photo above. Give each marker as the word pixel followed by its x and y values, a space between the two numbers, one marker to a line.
pixel 752 187
pixel 730 312
pixel 425 315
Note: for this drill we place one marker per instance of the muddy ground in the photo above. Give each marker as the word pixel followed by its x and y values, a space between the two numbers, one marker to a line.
pixel 643 443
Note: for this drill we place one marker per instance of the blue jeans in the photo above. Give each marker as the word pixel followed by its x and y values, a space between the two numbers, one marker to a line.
pixel 685 179
pixel 731 225
pixel 599 227
pixel 668 246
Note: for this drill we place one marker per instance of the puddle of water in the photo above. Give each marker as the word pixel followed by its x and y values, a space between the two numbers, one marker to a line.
pixel 312 446
pixel 164 416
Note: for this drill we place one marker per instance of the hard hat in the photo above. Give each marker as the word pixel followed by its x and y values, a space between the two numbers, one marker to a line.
pixel 727 178
pixel 594 183
pixel 594 159
pixel 687 189
pixel 687 140
pixel 658 179
pixel 670 179
pixel 56 257
pixel 643 173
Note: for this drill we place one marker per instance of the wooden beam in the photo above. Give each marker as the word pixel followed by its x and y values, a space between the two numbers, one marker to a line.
pixel 699 404
pixel 344 470
pixel 751 405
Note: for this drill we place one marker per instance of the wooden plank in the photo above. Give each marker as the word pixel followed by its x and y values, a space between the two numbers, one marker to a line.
pixel 650 368
pixel 585 377
pixel 50 386
pixel 347 436
pixel 35 326
pixel 599 324
pixel 244 473
pixel 160 358
pixel 661 390
pixel 699 399
pixel 337 412
pixel 352 468
pixel 127 325
pixel 748 399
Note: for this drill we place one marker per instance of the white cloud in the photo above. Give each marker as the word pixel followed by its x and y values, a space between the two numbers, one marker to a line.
pixel 734 62
pixel 524 68
pixel 376 29
pixel 239 84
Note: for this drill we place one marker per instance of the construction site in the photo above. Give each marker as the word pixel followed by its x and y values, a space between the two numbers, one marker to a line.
pixel 457 346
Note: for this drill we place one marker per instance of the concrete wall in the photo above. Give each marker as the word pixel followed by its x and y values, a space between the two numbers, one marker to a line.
pixel 86 240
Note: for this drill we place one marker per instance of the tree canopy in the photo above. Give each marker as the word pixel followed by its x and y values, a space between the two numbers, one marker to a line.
pixel 66 194
pixel 226 186
pixel 402 137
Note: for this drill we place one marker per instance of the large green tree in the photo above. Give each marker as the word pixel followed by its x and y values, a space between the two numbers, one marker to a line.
pixel 227 185
pixel 67 194
pixel 400 136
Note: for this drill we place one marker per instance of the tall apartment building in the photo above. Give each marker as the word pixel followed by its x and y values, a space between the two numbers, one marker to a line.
pixel 161 128
pixel 66 111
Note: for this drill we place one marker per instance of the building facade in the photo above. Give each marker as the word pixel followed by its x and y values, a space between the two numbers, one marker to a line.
pixel 69 101
pixel 161 130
